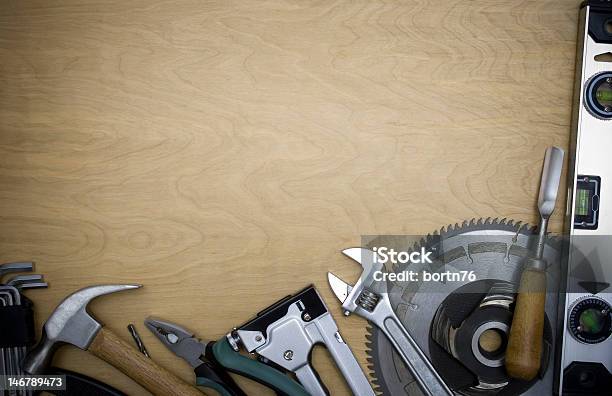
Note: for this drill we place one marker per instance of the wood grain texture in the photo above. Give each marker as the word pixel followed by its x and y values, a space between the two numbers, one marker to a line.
pixel 157 380
pixel 222 153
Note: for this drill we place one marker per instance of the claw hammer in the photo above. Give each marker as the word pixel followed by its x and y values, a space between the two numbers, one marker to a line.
pixel 70 323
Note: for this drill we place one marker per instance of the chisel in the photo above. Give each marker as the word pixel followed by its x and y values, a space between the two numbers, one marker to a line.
pixel 525 341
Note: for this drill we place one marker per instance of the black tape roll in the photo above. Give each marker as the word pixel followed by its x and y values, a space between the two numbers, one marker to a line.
pixel 460 310
pixel 465 335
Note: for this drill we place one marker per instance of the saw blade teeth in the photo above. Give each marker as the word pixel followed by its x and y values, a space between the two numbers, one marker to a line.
pixel 373 334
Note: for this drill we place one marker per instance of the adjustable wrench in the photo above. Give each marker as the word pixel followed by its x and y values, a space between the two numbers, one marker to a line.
pixel 370 300
pixel 285 334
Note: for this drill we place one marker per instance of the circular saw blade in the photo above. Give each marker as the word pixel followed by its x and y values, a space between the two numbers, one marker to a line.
pixel 494 249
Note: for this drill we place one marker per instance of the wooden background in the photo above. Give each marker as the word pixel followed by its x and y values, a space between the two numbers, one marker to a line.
pixel 222 153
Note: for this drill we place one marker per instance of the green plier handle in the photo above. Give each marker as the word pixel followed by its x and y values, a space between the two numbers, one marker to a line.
pixel 269 376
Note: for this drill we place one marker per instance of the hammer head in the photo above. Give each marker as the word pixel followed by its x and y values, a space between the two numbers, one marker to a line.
pixel 70 323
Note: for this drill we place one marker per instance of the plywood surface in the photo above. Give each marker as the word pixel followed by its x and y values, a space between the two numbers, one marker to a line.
pixel 222 153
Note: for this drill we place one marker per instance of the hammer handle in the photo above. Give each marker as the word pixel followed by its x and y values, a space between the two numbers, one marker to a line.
pixel 524 350
pixel 157 380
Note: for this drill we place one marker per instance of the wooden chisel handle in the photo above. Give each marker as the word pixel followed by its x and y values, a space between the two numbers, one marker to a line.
pixel 524 349
pixel 157 380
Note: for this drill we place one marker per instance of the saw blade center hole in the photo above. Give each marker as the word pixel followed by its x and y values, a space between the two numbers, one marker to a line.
pixel 491 340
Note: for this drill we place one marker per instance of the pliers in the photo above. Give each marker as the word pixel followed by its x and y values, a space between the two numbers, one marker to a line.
pixel 212 360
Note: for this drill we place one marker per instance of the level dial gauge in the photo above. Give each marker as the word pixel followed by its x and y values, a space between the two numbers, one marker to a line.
pixel 590 320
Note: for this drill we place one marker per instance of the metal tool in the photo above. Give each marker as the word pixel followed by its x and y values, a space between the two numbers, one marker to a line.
pixel 370 300
pixel 524 351
pixel 495 251
pixel 15 267
pixel 585 324
pixel 139 344
pixel 12 298
pixel 211 359
pixel 31 285
pixel 76 384
pixel 14 355
pixel 71 323
pixel 183 344
pixel 24 279
pixel 3 357
pixel 286 332
pixel 11 356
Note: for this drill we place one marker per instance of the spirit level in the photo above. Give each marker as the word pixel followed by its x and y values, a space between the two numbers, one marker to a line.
pixel 584 355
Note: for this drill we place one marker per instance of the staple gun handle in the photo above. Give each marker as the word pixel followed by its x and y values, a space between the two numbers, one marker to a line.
pixel 311 381
pixel 257 371
pixel 344 358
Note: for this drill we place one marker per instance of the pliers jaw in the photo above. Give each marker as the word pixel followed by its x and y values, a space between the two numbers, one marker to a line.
pixel 179 340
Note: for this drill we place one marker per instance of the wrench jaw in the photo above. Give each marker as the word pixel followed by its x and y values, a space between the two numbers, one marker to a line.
pixel 364 297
